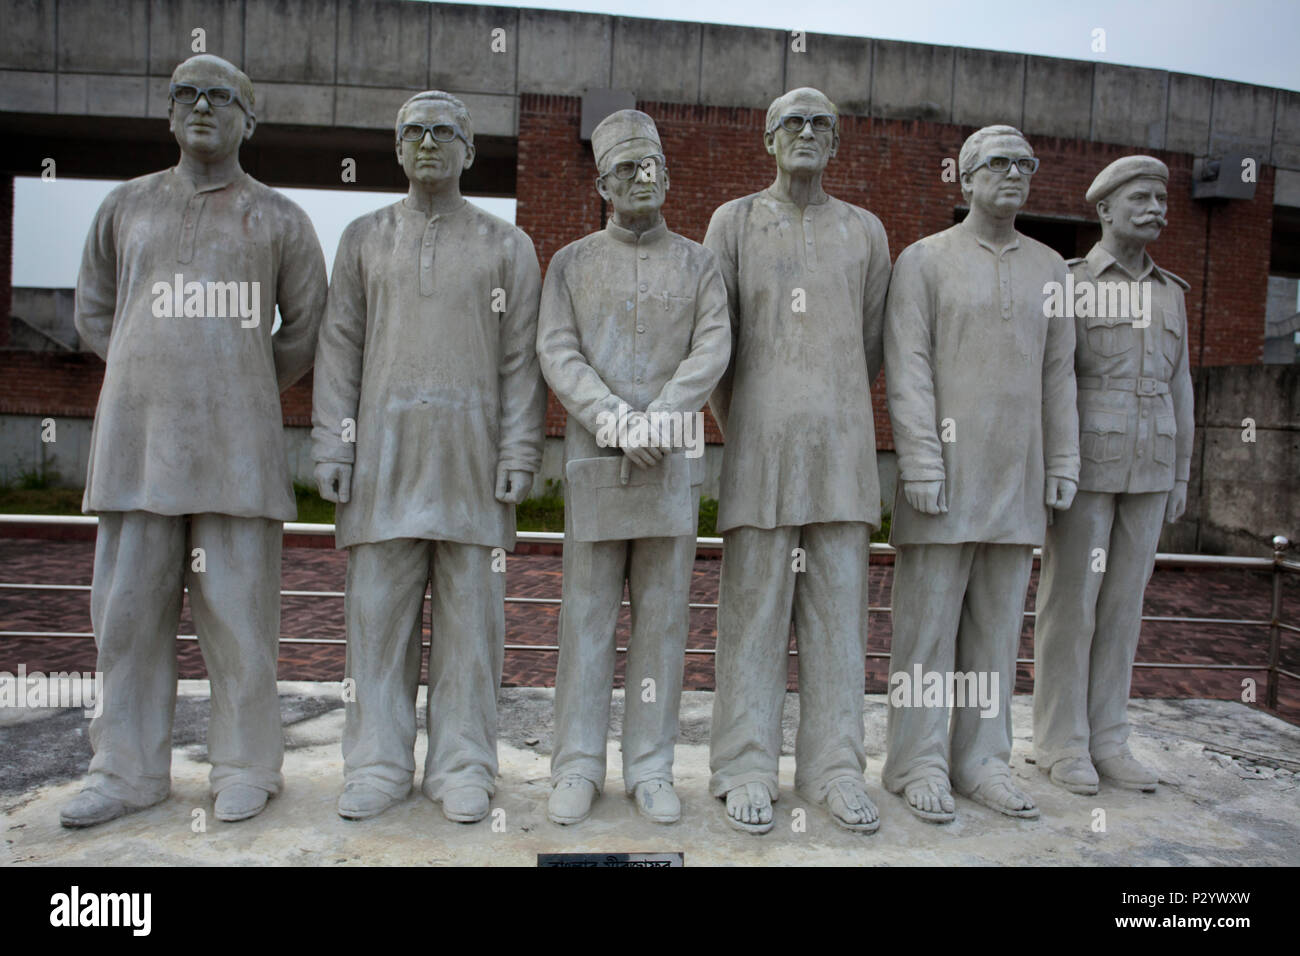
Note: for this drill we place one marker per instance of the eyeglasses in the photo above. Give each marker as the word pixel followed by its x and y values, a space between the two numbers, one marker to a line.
pixel 1028 165
pixel 795 122
pixel 627 169
pixel 218 96
pixel 442 132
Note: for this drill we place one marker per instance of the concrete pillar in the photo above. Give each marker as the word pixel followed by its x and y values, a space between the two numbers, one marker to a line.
pixel 6 254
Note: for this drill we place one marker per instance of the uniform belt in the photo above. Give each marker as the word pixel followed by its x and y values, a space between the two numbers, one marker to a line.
pixel 1143 386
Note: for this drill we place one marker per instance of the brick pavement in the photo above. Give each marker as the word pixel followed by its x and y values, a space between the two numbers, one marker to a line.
pixel 1228 593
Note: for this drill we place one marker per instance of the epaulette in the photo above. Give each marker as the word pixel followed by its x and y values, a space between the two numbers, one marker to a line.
pixel 1075 261
pixel 1177 278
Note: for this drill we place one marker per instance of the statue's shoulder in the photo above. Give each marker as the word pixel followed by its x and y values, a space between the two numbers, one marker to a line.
pixel 734 210
pixel 1175 279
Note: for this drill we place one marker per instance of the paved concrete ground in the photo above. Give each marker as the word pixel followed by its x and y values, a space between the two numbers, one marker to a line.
pixel 1228 796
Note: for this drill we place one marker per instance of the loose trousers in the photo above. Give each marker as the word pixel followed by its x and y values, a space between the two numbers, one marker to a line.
pixel 143 562
pixel 658 575
pixel 764 585
pixel 1089 621
pixel 384 611
pixel 957 608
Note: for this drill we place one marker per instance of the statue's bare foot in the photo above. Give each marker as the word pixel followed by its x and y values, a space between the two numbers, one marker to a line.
pixel 1000 794
pixel 749 808
pixel 931 800
pixel 850 806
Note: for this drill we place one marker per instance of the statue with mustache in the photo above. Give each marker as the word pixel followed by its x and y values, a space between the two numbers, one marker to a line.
pixel 1135 440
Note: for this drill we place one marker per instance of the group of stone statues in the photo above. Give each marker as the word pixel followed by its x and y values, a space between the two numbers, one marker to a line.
pixel 1015 425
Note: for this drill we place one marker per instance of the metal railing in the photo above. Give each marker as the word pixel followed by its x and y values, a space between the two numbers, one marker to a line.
pixel 1278 564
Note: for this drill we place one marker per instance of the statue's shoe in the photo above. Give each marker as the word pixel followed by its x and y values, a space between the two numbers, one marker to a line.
pixel 239 801
pixel 360 801
pixel 1075 774
pixel 940 794
pixel 90 808
pixel 657 800
pixel 570 801
pixel 848 804
pixel 1127 772
pixel 1000 794
pixel 739 799
pixel 468 804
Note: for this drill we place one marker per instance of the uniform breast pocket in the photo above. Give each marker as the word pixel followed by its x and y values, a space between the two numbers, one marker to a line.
pixel 1166 430
pixel 1171 339
pixel 1109 336
pixel 1102 435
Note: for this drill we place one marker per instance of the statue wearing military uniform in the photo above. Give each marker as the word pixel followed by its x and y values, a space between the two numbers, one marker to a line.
pixel 1135 424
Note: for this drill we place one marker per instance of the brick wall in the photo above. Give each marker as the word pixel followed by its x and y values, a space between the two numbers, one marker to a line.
pixel 893 168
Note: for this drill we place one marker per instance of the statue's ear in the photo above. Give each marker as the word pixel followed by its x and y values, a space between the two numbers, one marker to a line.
pixel 469 156
pixel 769 141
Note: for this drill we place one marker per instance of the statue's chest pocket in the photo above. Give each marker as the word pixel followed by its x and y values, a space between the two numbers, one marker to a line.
pixel 1110 336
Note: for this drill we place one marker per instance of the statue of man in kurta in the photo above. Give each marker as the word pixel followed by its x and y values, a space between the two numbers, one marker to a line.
pixel 177 292
pixel 981 395
pixel 806 276
pixel 1135 439
pixel 427 431
pixel 633 336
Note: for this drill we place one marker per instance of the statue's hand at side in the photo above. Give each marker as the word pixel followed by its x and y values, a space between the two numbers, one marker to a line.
pixel 927 497
pixel 513 485
pixel 1177 503
pixel 1060 492
pixel 334 479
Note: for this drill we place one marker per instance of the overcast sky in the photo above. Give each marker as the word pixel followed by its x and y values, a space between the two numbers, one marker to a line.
pixel 1253 41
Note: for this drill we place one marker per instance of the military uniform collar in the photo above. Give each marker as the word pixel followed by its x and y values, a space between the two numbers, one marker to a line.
pixel 656 232
pixel 1099 260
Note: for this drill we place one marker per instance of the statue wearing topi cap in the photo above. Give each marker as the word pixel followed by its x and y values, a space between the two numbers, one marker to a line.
pixel 632 337
pixel 1135 439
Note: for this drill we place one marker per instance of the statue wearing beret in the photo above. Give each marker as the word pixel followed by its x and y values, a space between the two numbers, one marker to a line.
pixel 1135 425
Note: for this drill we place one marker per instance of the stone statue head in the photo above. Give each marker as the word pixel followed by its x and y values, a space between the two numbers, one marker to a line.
pixel 210 107
pixel 434 138
pixel 632 171
pixel 802 131
pixel 995 164
pixel 1132 198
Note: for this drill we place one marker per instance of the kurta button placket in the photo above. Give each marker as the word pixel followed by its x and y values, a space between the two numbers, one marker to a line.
pixel 190 226
pixel 426 256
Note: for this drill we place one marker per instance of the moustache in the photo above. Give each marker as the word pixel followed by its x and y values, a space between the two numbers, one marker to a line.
pixel 1156 218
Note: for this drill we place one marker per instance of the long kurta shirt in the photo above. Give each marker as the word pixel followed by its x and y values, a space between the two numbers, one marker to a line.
pixel 806 292
pixel 1135 386
pixel 189 417
pixel 640 320
pixel 970 357
pixel 428 348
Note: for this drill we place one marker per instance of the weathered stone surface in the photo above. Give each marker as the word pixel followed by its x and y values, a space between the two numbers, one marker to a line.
pixel 291 41
pixel 1058 97
pixel 988 88
pixel 741 67
pixel 838 66
pixel 657 60
pixel 911 81
pixel 563 53
pixel 171 31
pixel 1188 129
pixel 460 41
pixel 102 37
pixel 27 41
pixel 1129 105
pixel 387 43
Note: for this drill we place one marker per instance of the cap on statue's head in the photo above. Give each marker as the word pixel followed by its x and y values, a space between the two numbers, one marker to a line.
pixel 622 127
pixel 1121 171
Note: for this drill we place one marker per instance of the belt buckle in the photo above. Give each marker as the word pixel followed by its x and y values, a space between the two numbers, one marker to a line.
pixel 1147 386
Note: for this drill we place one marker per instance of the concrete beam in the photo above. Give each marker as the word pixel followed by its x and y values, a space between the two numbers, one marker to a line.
pixel 98 37
pixel 563 53
pixel 27 41
pixel 1286 187
pixel 1286 130
pixel 657 60
pixel 299 104
pixel 1058 97
pixel 1242 116
pixel 1130 106
pixel 26 92
pixel 290 41
pixel 171 31
pixel 461 54
pixel 387 44
pixel 742 67
pixel 100 94
pixel 988 88
pixel 1188 129
pixel 838 66
pixel 912 81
